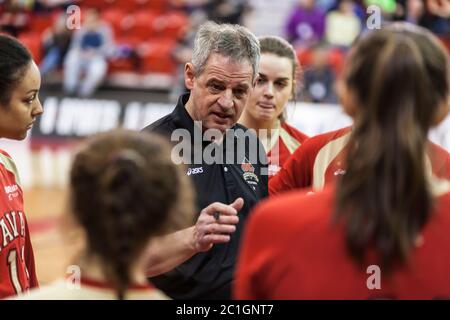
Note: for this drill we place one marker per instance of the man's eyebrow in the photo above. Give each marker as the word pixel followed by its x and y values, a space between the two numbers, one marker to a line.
pixel 242 86
pixel 214 80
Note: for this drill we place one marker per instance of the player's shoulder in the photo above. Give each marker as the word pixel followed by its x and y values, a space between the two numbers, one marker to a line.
pixel 294 132
pixel 52 291
pixel 163 126
pixel 324 138
pixel 7 164
pixel 312 146
pixel 318 142
pixel 3 153
pixel 438 150
pixel 294 210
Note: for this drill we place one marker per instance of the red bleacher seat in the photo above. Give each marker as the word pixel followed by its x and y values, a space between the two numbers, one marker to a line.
pixel 40 22
pixel 156 56
pixel 154 5
pixel 126 5
pixel 142 25
pixel 98 4
pixel 171 25
pixel 115 17
pixel 121 65
pixel 336 60
pixel 33 42
pixel 304 56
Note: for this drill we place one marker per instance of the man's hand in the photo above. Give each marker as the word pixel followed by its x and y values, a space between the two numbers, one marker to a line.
pixel 215 224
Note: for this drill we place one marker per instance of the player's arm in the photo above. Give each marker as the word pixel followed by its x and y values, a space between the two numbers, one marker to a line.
pixel 214 225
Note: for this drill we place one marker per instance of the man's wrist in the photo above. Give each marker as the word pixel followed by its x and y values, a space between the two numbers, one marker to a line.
pixel 191 243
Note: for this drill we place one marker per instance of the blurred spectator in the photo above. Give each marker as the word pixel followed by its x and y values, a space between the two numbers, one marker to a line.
pixel 387 6
pixel 342 25
pixel 50 5
pixel 13 17
pixel 319 78
pixel 90 48
pixel 226 11
pixel 188 6
pixel 437 17
pixel 56 41
pixel 326 5
pixel 306 24
pixel 414 11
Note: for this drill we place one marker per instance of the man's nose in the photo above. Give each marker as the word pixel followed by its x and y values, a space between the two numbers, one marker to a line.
pixel 226 100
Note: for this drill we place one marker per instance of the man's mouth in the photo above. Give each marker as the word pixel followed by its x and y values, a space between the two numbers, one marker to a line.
pixel 222 117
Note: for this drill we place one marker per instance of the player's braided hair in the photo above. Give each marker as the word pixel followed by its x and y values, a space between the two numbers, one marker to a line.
pixel 400 79
pixel 124 190
pixel 14 60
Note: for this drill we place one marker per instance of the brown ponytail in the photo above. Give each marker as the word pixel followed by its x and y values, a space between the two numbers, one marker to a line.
pixel 400 79
pixel 124 190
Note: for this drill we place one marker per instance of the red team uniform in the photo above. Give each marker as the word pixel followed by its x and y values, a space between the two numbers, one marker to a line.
pixel 291 250
pixel 321 159
pixel 286 141
pixel 17 270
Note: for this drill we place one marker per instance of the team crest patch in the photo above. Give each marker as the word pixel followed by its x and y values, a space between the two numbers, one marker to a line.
pixel 249 174
pixel 247 167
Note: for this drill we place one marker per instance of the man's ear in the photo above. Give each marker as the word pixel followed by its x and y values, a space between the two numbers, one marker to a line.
pixel 189 75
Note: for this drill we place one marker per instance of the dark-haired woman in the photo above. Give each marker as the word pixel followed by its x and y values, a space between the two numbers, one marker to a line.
pixel 383 230
pixel 20 82
pixel 124 190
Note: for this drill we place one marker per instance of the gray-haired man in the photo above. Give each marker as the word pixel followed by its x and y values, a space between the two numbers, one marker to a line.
pixel 198 262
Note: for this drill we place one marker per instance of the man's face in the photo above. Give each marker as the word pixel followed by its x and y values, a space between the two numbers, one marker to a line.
pixel 220 92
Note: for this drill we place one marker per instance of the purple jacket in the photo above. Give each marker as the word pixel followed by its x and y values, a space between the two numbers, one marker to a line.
pixel 305 25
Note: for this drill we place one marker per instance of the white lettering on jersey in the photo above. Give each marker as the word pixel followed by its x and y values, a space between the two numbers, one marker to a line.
pixel 7 236
pixel 13 223
pixel 12 191
pixel 339 172
pixel 194 171
pixel 10 228
pixel 22 224
pixel 274 169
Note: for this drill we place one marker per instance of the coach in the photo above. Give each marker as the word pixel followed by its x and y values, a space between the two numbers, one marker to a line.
pixel 198 262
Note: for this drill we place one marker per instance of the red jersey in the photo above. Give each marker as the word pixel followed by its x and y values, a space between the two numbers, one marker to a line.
pixel 287 255
pixel 321 159
pixel 286 140
pixel 17 270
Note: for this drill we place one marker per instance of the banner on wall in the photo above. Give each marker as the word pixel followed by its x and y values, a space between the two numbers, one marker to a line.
pixel 66 119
